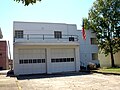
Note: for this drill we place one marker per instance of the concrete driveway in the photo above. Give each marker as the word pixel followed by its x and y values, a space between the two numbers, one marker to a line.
pixel 64 81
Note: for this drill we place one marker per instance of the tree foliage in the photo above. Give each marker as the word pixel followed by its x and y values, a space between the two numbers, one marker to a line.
pixel 104 20
pixel 27 2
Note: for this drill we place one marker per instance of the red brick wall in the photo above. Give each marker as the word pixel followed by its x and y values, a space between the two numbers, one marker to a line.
pixel 3 55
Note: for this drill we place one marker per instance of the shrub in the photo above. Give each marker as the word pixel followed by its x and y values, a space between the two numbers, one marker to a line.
pixel 91 66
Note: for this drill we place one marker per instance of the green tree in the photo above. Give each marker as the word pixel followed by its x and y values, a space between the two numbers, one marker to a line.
pixel 104 20
pixel 27 2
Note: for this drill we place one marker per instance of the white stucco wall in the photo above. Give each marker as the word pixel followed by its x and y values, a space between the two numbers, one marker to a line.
pixel 106 61
pixel 44 28
pixel 86 48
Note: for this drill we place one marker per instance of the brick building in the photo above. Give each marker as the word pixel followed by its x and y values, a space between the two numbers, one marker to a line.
pixel 3 55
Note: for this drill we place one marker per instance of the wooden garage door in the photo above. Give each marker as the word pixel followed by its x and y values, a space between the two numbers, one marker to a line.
pixel 62 60
pixel 32 61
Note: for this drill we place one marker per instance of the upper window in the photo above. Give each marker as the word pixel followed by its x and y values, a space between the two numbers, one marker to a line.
pixel 57 34
pixel 19 34
pixel 94 56
pixel 93 41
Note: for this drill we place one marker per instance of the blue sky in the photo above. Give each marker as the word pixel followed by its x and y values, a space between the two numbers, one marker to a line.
pixel 57 11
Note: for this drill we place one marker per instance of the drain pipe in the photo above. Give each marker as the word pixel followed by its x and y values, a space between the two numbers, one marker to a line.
pixel 10 56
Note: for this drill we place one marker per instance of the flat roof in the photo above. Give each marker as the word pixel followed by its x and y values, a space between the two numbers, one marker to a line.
pixel 42 22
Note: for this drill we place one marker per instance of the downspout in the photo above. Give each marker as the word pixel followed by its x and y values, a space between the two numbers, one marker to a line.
pixel 10 56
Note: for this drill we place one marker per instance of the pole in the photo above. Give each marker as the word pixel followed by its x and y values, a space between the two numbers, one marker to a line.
pixel 10 56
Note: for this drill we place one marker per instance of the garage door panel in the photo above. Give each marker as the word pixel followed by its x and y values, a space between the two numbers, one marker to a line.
pixel 57 53
pixel 35 61
pixel 38 68
pixel 63 67
pixel 62 60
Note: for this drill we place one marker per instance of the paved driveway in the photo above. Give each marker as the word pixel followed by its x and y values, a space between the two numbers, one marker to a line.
pixel 69 81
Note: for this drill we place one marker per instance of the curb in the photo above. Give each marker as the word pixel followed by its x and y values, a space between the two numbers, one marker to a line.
pixel 3 74
pixel 106 73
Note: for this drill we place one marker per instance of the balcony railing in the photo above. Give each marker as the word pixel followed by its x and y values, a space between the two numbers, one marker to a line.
pixel 45 38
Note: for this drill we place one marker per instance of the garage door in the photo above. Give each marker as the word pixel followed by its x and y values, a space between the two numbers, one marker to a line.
pixel 32 61
pixel 62 60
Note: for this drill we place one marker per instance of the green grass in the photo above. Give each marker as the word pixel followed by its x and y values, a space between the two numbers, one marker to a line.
pixel 110 70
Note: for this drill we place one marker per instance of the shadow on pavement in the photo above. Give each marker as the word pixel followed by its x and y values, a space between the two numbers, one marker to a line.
pixel 10 73
pixel 54 75
pixel 42 76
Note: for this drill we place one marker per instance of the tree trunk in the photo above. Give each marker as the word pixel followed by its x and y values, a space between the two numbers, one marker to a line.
pixel 110 45
pixel 112 57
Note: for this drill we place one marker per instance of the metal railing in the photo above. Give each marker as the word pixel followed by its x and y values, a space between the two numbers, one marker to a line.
pixel 48 37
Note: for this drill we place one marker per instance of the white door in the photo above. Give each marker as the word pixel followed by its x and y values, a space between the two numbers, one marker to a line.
pixel 62 60
pixel 32 61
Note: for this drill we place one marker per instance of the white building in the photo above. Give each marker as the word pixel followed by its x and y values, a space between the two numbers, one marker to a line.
pixel 88 48
pixel 50 48
pixel 45 48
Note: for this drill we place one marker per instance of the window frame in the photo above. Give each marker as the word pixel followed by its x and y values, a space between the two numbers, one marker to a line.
pixel 19 33
pixel 57 34
pixel 58 60
pixel 93 41
pixel 31 61
pixel 94 57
